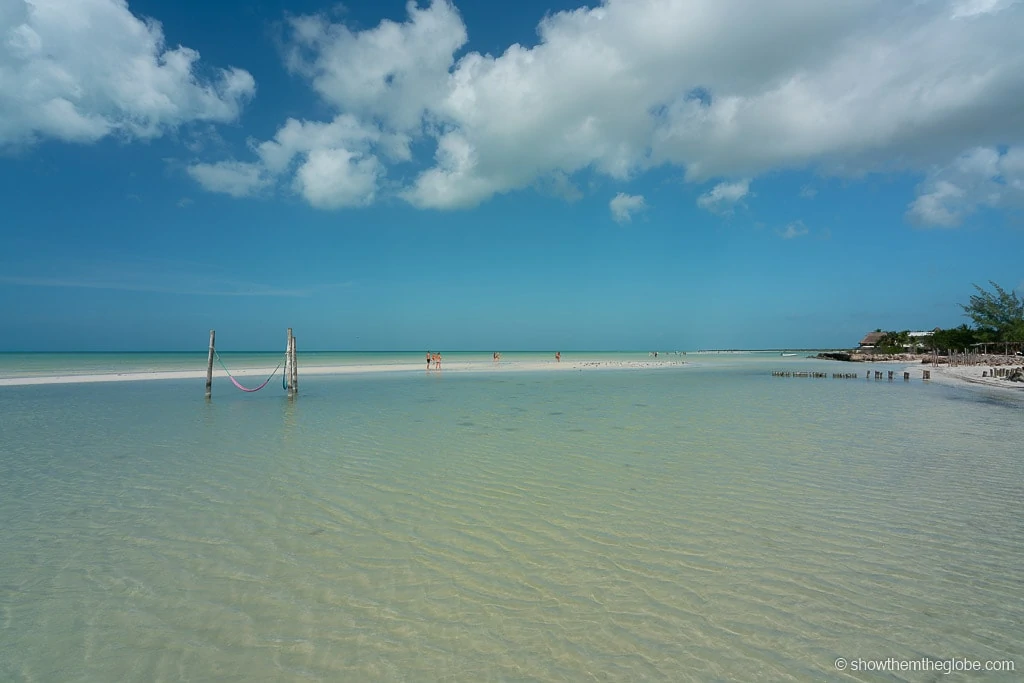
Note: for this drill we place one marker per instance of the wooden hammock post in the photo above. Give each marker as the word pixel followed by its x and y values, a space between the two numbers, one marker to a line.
pixel 295 367
pixel 209 365
pixel 284 369
pixel 288 363
pixel 287 368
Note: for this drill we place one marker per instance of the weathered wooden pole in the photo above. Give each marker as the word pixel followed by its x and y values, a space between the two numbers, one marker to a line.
pixel 287 366
pixel 288 363
pixel 295 368
pixel 209 365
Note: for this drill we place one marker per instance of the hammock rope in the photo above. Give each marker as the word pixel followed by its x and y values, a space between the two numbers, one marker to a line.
pixel 236 382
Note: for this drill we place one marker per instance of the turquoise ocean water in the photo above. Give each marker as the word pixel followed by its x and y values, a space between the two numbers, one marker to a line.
pixel 708 522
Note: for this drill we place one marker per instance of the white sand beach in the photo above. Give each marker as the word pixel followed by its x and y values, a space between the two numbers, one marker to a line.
pixel 967 374
pixel 353 369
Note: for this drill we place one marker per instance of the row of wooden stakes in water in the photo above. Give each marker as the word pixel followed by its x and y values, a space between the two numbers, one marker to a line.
pixel 848 375
pixel 1001 372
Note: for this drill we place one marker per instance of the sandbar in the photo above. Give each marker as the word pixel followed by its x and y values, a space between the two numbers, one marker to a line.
pixel 313 370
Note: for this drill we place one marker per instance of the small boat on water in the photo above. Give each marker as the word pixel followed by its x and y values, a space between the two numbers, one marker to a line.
pixel 786 355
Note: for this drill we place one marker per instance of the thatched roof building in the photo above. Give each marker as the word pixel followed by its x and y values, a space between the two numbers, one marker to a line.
pixel 870 340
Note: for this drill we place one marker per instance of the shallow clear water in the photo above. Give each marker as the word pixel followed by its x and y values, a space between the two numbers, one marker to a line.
pixel 709 522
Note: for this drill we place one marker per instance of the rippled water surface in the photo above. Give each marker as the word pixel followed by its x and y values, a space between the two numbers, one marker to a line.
pixel 705 523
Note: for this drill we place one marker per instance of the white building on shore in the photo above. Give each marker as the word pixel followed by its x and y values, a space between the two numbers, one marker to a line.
pixel 917 339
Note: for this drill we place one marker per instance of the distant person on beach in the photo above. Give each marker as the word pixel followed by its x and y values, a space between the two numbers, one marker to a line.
pixel 558 356
pixel 428 360
pixel 437 361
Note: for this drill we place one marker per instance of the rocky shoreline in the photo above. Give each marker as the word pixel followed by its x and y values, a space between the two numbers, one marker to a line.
pixel 855 357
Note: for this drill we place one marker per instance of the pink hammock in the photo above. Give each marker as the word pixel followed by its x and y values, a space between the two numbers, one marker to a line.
pixel 236 382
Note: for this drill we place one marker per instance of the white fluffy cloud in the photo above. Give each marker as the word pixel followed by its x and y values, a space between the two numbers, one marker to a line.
pixel 333 178
pixel 332 163
pixel 724 196
pixel 848 85
pixel 235 178
pixel 393 72
pixel 79 70
pixel 793 230
pixel 982 177
pixel 624 205
pixel 718 88
pixel 384 80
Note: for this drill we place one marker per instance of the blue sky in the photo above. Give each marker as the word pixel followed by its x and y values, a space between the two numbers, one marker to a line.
pixel 636 174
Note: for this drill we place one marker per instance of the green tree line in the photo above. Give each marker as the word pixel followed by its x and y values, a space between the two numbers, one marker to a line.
pixel 998 316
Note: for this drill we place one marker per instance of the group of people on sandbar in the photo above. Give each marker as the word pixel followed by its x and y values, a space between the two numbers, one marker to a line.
pixel 435 358
pixel 497 356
